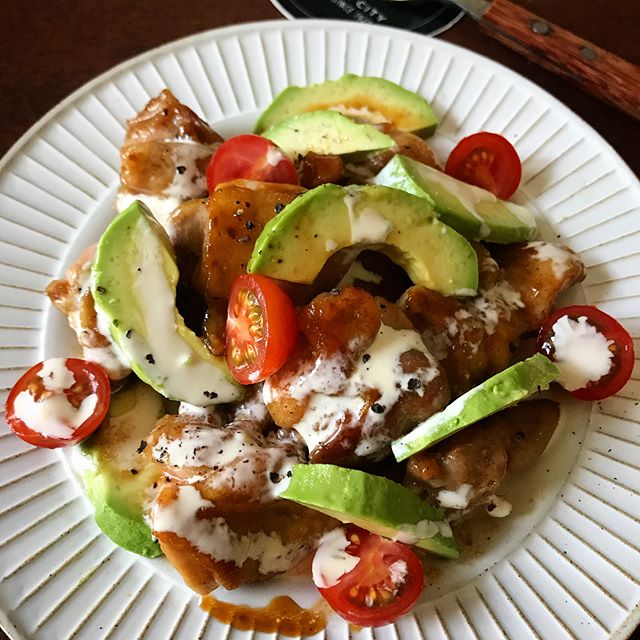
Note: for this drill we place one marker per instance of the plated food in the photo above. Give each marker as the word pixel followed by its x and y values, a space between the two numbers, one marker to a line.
pixel 363 372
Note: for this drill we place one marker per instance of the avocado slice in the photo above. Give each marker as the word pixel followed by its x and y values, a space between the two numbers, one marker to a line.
pixel 498 392
pixel 372 502
pixel 371 99
pixel 474 212
pixel 116 476
pixel 326 132
pixel 295 244
pixel 134 286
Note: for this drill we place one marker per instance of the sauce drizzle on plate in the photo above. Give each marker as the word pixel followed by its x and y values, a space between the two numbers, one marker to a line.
pixel 281 615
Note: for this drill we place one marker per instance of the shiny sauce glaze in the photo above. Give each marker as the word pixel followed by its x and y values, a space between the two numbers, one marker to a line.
pixel 282 615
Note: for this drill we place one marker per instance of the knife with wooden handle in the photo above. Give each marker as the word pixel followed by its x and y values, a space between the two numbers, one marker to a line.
pixel 598 71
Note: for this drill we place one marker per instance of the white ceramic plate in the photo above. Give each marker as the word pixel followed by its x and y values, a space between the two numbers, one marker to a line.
pixel 566 564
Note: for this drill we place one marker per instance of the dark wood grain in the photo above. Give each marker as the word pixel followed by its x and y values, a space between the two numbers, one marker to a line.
pixel 594 69
pixel 49 49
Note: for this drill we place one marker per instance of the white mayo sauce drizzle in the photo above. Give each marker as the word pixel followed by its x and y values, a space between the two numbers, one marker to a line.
pixel 560 257
pixel 331 561
pixel 498 507
pixel 458 499
pixel 582 353
pixel 54 416
pixel 215 538
pixel 332 395
pixel 367 224
pixel 242 459
pixel 190 375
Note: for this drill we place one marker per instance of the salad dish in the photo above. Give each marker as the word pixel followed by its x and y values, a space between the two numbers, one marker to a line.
pixel 321 348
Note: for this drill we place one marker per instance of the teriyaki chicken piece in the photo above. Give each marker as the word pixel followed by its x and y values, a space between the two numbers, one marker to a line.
pixel 474 338
pixel 359 377
pixel 217 514
pixel 466 470
pixel 165 155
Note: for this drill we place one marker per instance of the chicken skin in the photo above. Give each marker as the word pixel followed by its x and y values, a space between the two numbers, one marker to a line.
pixel 359 377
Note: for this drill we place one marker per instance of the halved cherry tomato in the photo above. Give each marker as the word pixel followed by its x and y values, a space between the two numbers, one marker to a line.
pixel 46 415
pixel 384 585
pixel 261 328
pixel 251 157
pixel 611 329
pixel 486 160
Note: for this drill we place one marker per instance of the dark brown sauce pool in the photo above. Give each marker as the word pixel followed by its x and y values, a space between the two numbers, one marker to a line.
pixel 281 615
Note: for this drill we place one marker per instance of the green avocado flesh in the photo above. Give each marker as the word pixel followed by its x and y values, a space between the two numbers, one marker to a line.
pixel 474 212
pixel 326 132
pixel 117 494
pixel 134 285
pixel 374 503
pixel 498 392
pixel 295 244
pixel 370 99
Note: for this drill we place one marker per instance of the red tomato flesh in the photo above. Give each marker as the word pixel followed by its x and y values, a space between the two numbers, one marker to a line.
pixel 622 349
pixel 89 379
pixel 250 157
pixel 261 329
pixel 486 160
pixel 384 585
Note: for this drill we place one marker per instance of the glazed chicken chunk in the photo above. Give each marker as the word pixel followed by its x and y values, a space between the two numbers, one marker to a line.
pixel 359 377
pixel 466 469
pixel 473 338
pixel 217 514
pixel 164 156
pixel 72 296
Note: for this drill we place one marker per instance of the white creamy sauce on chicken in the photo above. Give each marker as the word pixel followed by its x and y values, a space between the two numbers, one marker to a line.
pixel 582 353
pixel 241 460
pixel 188 181
pixel 206 414
pixel 560 258
pixel 331 561
pixel 252 408
pixel 367 224
pixel 53 415
pixel 494 301
pixel 332 395
pixel 458 499
pixel 212 536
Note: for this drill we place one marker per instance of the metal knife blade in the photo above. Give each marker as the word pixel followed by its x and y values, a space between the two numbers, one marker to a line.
pixel 475 8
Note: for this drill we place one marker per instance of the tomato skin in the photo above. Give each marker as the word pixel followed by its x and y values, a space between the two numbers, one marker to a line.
pixel 377 554
pixel 623 359
pixel 90 378
pixel 250 156
pixel 261 330
pixel 486 160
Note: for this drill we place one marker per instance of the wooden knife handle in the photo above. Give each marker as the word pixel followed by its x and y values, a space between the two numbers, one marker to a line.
pixel 597 71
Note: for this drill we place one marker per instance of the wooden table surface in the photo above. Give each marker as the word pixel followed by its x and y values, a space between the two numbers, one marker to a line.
pixel 50 48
